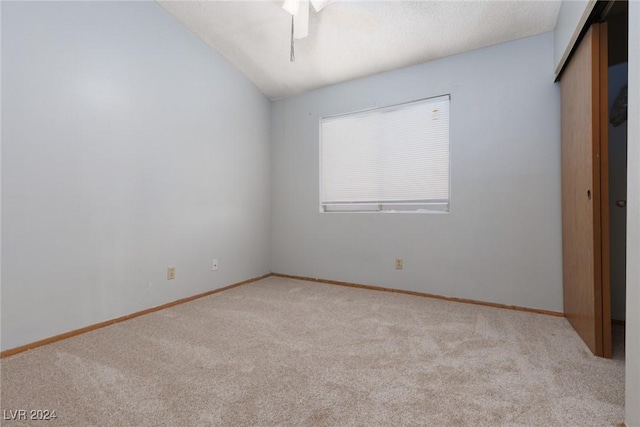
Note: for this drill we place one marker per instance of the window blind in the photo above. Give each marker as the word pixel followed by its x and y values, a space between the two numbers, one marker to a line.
pixel 392 158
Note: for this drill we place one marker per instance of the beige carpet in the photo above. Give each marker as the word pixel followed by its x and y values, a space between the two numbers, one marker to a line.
pixel 286 352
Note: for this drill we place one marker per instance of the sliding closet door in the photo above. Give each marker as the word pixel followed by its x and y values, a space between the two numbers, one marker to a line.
pixel 584 199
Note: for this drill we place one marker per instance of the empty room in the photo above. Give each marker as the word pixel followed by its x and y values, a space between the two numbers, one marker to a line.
pixel 320 212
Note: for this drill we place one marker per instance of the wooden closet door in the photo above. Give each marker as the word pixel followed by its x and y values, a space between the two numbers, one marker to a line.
pixel 584 199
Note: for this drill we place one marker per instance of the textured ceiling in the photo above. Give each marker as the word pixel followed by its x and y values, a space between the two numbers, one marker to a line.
pixel 350 39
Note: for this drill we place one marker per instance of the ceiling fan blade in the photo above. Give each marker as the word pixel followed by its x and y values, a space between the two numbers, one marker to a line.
pixel 291 6
pixel 299 9
pixel 319 4
pixel 301 20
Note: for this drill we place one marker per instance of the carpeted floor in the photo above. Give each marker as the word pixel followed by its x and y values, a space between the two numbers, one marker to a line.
pixel 287 352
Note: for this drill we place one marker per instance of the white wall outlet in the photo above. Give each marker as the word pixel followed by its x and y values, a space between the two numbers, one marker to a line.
pixel 171 273
pixel 214 265
pixel 398 263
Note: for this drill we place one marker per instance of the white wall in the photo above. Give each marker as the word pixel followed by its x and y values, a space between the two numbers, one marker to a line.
pixel 127 146
pixel 632 407
pixel 502 240
pixel 0 175
pixel 571 18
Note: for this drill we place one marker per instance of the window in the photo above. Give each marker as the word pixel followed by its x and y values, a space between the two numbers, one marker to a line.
pixel 387 159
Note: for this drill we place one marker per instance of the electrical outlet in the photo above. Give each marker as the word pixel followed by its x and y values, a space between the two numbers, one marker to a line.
pixel 171 273
pixel 398 263
pixel 214 265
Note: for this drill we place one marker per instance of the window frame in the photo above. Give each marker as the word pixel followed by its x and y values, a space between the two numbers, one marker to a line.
pixel 407 207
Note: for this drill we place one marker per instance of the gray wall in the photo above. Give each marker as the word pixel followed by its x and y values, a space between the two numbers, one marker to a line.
pixel 127 146
pixel 502 240
pixel 632 366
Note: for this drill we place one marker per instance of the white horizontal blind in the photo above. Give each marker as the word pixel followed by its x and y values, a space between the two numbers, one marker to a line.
pixel 393 158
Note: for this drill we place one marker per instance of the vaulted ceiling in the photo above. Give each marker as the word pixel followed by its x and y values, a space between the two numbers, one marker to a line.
pixel 350 39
